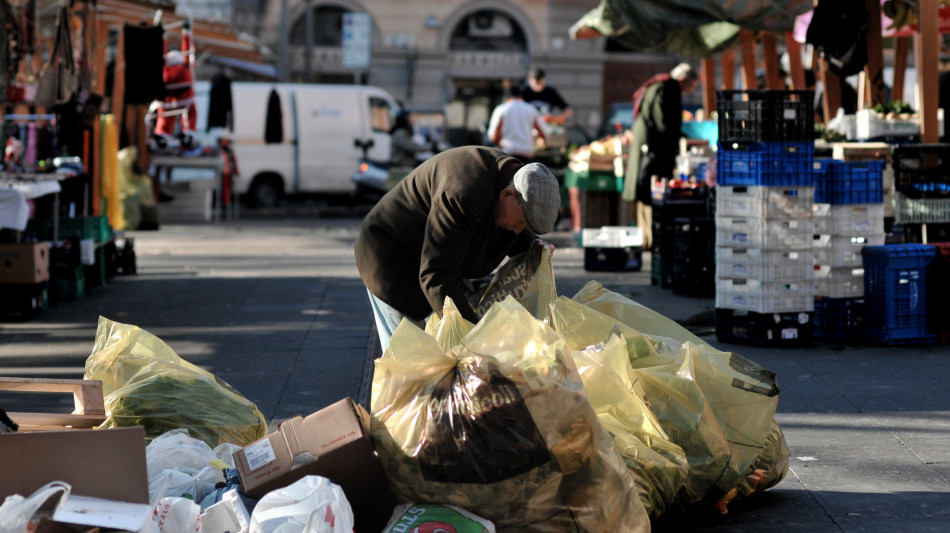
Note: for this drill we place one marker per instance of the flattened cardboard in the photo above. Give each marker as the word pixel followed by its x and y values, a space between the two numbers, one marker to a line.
pixel 24 262
pixel 102 463
pixel 338 438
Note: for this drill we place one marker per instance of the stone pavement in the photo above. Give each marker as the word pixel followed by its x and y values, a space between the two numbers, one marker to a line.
pixel 276 309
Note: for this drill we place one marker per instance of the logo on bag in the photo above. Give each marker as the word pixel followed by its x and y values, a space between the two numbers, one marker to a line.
pixel 434 527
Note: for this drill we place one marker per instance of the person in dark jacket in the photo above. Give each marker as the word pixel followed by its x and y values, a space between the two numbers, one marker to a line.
pixel 453 219
pixel 658 119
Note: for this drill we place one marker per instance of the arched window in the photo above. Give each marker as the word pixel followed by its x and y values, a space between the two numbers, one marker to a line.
pixel 488 30
pixel 327 27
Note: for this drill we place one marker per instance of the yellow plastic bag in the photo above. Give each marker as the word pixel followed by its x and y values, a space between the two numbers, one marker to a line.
pixel 527 277
pixel 145 383
pixel 500 426
pixel 451 328
pixel 717 406
pixel 659 467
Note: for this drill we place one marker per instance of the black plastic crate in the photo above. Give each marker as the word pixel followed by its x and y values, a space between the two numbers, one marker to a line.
pixel 838 319
pixel 619 259
pixel 938 287
pixel 23 301
pixel 765 329
pixel 694 267
pixel 922 170
pixel 915 232
pixel 765 115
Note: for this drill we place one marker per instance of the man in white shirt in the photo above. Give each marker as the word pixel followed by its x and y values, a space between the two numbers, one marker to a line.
pixel 512 123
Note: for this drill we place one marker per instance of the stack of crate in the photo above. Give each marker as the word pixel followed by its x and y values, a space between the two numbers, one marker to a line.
pixel 764 198
pixel 848 215
pixel 922 198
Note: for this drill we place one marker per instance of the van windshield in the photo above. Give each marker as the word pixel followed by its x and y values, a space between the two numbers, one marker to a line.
pixel 382 115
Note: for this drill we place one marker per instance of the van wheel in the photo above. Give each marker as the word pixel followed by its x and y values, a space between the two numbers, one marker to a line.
pixel 266 191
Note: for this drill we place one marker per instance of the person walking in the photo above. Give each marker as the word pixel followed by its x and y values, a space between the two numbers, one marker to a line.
pixel 658 120
pixel 513 124
pixel 453 219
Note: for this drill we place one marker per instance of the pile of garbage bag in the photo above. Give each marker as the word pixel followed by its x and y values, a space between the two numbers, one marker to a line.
pixel 590 413
pixel 527 417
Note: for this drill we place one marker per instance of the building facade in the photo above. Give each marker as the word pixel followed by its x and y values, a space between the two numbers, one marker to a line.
pixel 456 55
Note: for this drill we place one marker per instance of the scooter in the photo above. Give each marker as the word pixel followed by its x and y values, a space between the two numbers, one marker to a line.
pixel 373 179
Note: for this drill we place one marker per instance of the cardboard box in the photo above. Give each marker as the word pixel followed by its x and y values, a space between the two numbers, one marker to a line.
pixel 24 262
pixel 334 443
pixel 106 464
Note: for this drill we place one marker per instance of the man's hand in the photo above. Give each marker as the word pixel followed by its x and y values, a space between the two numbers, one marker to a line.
pixel 540 242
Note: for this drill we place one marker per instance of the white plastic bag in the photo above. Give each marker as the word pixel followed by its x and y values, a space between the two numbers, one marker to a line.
pixel 176 515
pixel 186 467
pixel 17 512
pixel 312 504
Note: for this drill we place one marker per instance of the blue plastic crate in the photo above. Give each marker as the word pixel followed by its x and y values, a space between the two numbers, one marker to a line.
pixel 838 319
pixel 771 164
pixel 895 293
pixel 849 182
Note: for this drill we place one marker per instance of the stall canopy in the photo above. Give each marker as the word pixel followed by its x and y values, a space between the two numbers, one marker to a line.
pixel 697 28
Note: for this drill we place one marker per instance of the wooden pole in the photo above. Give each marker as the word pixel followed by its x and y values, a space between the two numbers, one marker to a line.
pixel 927 50
pixel 728 64
pixel 709 86
pixel 773 80
pixel 875 67
pixel 831 95
pixel 797 72
pixel 747 54
pixel 901 47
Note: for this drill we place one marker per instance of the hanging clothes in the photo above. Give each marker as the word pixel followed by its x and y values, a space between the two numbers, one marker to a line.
pixel 179 100
pixel 274 123
pixel 144 60
pixel 839 32
pixel 219 102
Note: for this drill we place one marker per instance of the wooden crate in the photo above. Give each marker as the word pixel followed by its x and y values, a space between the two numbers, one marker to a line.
pixel 87 395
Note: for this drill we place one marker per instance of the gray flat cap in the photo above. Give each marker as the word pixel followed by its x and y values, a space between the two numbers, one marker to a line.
pixel 540 196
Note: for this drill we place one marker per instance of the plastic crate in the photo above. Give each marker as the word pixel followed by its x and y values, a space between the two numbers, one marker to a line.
pixel 765 265
pixel 839 282
pixel 938 287
pixel 861 219
pixel 693 257
pixel 750 232
pixel 838 319
pixel 793 328
pixel 612 248
pixel 764 296
pixel 895 293
pixel 90 227
pixel 765 115
pixel 772 164
pixel 843 250
pixel 922 232
pixel 922 170
pixel 850 182
pixel 924 210
pixel 23 301
pixel 764 202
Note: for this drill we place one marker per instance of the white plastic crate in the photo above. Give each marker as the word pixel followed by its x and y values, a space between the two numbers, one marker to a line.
pixel 858 219
pixel 612 237
pixel 839 282
pixel 933 210
pixel 869 125
pixel 766 202
pixel 753 232
pixel 752 295
pixel 842 250
pixel 764 265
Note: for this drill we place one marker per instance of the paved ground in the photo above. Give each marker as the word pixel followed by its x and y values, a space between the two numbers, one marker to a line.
pixel 276 309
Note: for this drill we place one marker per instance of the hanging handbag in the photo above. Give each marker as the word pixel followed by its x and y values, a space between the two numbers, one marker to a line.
pixel 58 80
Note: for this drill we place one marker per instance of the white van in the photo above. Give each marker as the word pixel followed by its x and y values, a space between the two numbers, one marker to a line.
pixel 323 130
